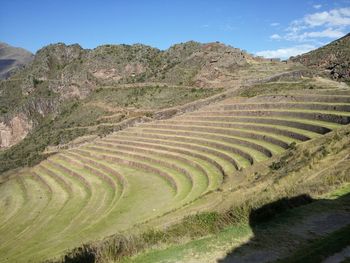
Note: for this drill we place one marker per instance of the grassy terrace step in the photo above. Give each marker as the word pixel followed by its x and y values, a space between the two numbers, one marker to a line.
pixel 10 205
pixel 71 212
pixel 305 98
pixel 135 207
pixel 122 151
pixel 223 162
pixel 226 135
pixel 324 92
pixel 134 164
pixel 238 154
pixel 59 180
pixel 118 180
pixel 92 170
pixel 213 167
pixel 47 216
pixel 220 126
pixel 81 190
pixel 236 161
pixel 294 133
pixel 313 126
pixel 39 219
pixel 68 172
pixel 105 187
pixel 36 202
pixel 235 129
pixel 16 198
pixel 111 181
pixel 250 151
pixel 193 164
pixel 102 192
pixel 199 176
pixel 180 176
pixel 315 106
pixel 330 116
pixel 62 209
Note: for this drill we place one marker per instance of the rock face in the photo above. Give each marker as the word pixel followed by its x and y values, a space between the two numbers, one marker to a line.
pixel 202 65
pixel 72 71
pixel 334 59
pixel 12 58
pixel 14 131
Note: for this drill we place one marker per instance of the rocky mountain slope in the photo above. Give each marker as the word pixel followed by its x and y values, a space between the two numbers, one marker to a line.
pixel 334 59
pixel 61 73
pixel 12 58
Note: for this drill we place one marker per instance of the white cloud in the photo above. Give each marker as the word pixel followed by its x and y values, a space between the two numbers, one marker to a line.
pixel 327 24
pixel 328 33
pixel 310 32
pixel 295 35
pixel 275 36
pixel 334 17
pixel 285 52
pixel 275 24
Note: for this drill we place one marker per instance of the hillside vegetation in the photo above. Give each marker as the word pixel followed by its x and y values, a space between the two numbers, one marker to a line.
pixel 194 161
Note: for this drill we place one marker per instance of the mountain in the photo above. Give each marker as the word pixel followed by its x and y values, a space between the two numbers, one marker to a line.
pixel 334 59
pixel 188 63
pixel 12 58
pixel 67 91
pixel 60 72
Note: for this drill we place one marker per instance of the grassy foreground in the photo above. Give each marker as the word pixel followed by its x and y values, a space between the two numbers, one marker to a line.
pixel 235 237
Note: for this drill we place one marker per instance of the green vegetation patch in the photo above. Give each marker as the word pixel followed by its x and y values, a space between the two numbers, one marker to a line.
pixel 150 97
pixel 277 87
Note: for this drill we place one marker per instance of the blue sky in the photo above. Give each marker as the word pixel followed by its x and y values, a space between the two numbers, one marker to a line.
pixel 268 28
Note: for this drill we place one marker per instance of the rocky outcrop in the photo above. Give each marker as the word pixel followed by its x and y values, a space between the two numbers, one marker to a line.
pixel 14 130
pixel 202 65
pixel 332 59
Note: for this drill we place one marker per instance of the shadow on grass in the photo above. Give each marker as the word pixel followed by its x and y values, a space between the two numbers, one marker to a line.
pixel 81 255
pixel 273 234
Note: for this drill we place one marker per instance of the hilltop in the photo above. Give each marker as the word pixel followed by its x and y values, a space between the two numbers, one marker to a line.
pixel 332 59
pixel 12 59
